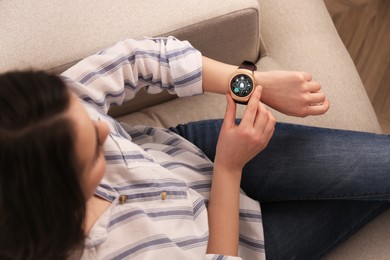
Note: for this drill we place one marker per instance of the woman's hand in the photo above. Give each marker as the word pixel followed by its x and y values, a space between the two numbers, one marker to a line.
pixel 292 93
pixel 237 144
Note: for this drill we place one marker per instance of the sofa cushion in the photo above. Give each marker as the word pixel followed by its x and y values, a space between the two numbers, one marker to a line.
pixel 55 34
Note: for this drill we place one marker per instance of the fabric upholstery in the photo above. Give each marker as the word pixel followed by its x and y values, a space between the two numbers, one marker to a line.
pixel 49 34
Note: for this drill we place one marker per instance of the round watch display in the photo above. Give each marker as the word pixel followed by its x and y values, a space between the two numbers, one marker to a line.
pixel 241 85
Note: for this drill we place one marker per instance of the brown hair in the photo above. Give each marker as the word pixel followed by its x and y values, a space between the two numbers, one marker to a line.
pixel 42 204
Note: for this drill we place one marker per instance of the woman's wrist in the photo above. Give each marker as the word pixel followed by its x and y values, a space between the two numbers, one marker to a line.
pixel 215 75
pixel 230 171
pixel 263 79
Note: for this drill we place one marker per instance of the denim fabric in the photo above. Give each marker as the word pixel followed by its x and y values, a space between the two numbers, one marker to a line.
pixel 316 186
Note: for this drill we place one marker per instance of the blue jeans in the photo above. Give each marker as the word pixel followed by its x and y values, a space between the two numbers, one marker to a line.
pixel 316 186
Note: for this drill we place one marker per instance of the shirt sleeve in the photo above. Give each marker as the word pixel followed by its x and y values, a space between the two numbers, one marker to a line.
pixel 114 75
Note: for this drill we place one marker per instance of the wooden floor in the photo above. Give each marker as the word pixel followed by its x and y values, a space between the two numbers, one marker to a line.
pixel 364 27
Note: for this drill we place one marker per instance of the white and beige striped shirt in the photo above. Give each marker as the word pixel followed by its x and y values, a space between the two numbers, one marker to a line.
pixel 157 181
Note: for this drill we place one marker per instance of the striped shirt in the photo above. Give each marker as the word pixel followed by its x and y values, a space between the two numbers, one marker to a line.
pixel 158 183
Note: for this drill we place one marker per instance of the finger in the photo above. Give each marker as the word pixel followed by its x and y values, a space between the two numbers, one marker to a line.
pixel 230 113
pixel 251 110
pixel 307 76
pixel 319 109
pixel 269 128
pixel 262 118
pixel 313 86
pixel 316 98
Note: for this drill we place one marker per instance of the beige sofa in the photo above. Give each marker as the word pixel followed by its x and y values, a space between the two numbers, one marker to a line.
pixel 277 34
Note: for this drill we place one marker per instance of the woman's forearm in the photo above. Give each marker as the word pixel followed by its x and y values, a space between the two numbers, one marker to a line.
pixel 223 211
pixel 216 75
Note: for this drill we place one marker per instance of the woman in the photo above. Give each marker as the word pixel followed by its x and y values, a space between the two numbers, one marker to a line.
pixel 76 183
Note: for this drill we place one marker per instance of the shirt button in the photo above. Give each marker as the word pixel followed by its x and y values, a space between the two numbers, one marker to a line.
pixel 122 199
pixel 164 195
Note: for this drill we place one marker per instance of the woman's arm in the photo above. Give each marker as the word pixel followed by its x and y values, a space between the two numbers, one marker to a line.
pixel 290 92
pixel 114 75
pixel 237 144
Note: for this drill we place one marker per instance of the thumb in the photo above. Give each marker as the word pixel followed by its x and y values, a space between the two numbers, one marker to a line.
pixel 257 93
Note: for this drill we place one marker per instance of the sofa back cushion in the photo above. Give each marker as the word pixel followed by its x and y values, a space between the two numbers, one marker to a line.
pixel 54 35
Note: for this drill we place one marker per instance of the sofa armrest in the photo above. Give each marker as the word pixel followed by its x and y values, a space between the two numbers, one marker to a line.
pixel 55 34
pixel 300 35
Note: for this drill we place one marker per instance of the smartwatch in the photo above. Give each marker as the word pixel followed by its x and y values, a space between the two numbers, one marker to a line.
pixel 242 82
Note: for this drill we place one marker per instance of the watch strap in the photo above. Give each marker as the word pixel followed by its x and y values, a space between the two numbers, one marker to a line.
pixel 248 65
pixel 241 102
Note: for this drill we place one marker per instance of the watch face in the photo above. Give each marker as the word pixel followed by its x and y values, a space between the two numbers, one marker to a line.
pixel 241 85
